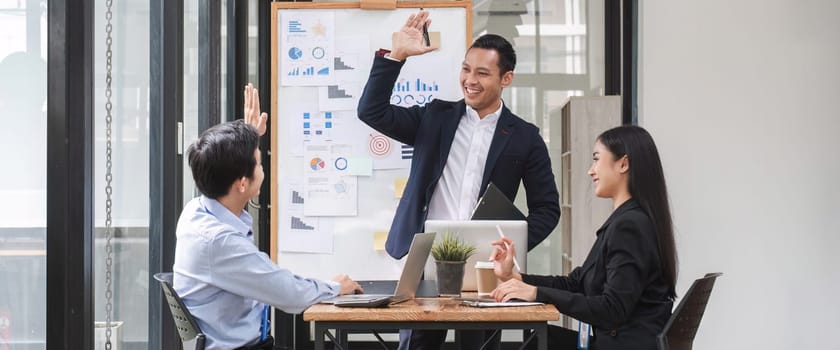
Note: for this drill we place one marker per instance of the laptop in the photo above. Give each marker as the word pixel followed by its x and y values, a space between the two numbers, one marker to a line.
pixel 406 287
pixel 480 233
pixel 494 205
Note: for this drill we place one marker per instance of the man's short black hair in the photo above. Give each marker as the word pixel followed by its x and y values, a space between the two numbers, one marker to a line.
pixel 223 154
pixel 507 56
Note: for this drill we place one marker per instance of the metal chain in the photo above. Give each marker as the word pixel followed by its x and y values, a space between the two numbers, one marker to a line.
pixel 108 177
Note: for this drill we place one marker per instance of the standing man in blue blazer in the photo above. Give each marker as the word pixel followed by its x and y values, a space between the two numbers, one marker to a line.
pixel 459 147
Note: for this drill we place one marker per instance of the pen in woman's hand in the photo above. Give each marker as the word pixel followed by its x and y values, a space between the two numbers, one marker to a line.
pixel 501 234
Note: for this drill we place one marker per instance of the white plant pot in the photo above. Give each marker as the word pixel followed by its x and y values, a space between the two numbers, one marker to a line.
pixel 99 335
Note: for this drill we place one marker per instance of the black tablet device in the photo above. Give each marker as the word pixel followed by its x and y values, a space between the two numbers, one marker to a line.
pixel 494 205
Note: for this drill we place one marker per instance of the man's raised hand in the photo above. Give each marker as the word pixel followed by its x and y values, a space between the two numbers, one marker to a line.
pixel 252 109
pixel 409 40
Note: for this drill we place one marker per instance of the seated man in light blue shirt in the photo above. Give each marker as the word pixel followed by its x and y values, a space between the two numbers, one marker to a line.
pixel 224 280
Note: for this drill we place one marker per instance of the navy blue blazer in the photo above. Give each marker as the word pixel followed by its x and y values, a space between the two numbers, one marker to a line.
pixel 517 153
pixel 619 289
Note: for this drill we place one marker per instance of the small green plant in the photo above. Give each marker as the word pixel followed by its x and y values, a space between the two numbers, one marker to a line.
pixel 452 248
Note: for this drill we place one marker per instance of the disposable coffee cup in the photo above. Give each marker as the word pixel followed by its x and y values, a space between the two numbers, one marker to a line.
pixel 485 277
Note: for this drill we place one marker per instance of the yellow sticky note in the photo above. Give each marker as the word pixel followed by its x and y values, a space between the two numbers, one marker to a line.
pixel 379 238
pixel 399 187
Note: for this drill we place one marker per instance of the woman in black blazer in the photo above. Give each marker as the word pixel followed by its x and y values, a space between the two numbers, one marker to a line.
pixel 625 287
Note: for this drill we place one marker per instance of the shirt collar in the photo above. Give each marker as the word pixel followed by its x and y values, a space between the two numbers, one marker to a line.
pixel 242 223
pixel 490 118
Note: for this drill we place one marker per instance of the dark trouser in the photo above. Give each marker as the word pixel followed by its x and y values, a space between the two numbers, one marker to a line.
pixel 267 344
pixel 558 338
pixel 434 339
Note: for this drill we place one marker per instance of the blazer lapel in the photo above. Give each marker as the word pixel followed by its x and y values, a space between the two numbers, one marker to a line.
pixel 447 133
pixel 597 247
pixel 505 128
pixel 591 257
pixel 448 127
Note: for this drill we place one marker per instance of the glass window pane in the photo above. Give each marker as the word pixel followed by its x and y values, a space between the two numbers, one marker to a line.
pixel 504 18
pixel 253 77
pixel 560 53
pixel 225 114
pixel 130 170
pixel 190 90
pixel 23 93
pixel 254 45
pixel 562 36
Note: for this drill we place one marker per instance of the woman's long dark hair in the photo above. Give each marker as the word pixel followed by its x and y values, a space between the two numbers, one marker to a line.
pixel 647 185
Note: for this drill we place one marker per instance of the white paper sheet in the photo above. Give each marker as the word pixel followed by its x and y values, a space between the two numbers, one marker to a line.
pixel 341 96
pixel 340 127
pixel 417 85
pixel 327 191
pixel 387 153
pixel 306 48
pixel 300 233
pixel 420 82
pixel 349 66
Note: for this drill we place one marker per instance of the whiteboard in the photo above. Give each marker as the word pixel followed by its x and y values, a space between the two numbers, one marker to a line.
pixel 300 96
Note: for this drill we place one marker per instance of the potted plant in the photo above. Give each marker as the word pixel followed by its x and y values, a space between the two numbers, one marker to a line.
pixel 451 254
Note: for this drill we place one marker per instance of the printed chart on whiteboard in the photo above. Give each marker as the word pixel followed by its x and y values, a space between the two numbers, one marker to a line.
pixel 305 233
pixel 336 176
pixel 309 40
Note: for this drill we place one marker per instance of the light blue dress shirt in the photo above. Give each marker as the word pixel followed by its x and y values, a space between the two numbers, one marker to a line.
pixel 225 280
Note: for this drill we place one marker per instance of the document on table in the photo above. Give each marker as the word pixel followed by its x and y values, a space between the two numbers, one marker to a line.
pixel 489 303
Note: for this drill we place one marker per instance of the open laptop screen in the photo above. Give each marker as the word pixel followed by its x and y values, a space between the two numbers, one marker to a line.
pixel 409 280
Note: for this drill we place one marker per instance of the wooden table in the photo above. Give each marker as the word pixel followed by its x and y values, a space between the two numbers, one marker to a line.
pixel 429 313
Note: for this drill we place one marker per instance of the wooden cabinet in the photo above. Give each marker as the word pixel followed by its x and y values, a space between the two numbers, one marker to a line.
pixel 582 120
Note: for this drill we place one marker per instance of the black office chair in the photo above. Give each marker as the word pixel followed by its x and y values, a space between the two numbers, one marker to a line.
pixel 680 330
pixel 191 336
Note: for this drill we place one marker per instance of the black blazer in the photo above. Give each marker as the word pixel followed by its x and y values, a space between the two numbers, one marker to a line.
pixel 619 290
pixel 517 153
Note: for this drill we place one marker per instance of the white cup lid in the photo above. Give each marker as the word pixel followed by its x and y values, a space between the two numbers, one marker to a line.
pixel 483 264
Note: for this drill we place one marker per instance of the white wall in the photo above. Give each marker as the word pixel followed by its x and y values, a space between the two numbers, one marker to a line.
pixel 742 99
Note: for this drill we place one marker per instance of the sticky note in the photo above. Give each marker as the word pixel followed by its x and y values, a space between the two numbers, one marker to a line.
pixel 399 186
pixel 360 166
pixel 379 238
